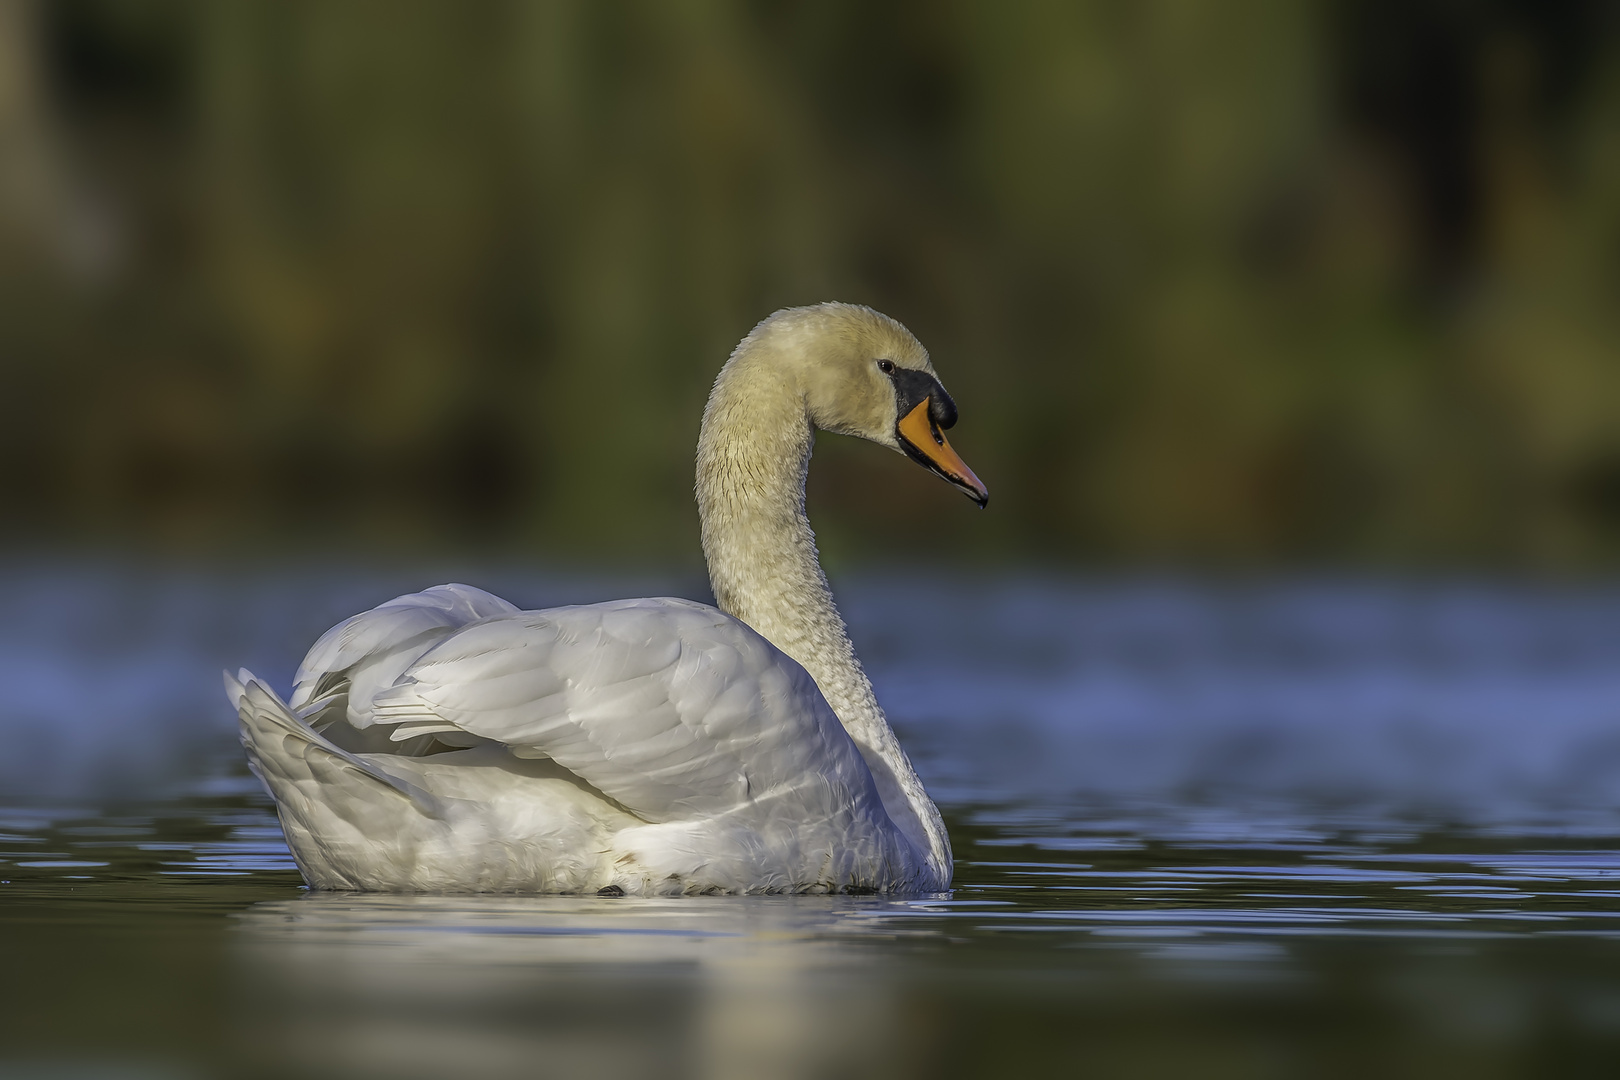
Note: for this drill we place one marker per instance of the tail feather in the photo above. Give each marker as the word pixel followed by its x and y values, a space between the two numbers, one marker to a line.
pixel 288 755
pixel 234 686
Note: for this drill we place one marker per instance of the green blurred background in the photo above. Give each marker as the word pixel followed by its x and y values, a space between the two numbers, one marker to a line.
pixel 1252 283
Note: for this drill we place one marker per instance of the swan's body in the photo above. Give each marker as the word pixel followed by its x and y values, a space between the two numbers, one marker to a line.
pixel 448 741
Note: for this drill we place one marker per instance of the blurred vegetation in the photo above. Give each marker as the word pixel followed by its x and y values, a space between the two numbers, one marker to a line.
pixel 1242 283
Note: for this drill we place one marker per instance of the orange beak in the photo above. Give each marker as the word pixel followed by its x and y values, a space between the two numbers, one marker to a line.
pixel 922 440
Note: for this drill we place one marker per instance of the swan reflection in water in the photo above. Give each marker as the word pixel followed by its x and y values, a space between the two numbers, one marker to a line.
pixel 421 985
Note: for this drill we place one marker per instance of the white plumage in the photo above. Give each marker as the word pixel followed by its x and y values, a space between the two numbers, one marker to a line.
pixel 446 741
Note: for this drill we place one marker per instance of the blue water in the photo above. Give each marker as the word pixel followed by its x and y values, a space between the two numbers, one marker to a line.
pixel 1267 828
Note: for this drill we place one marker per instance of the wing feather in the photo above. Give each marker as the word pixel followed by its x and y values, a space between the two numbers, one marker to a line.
pixel 669 707
pixel 369 652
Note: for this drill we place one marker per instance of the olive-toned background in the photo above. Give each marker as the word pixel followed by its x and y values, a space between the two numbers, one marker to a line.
pixel 1249 283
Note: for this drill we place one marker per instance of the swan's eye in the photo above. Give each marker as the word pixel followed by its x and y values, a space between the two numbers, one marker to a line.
pixel 886 366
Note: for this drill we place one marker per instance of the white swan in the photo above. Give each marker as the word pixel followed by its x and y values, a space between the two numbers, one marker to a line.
pixel 447 741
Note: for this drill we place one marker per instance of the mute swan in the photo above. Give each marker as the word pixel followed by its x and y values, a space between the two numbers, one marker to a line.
pixel 446 741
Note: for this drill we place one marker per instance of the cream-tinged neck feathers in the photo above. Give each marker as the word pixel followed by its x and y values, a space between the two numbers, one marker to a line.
pixel 784 380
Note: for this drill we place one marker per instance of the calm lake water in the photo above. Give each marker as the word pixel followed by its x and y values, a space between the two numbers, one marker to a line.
pixel 1269 829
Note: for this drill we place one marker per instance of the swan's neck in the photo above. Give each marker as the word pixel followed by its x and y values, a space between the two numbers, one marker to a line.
pixel 753 456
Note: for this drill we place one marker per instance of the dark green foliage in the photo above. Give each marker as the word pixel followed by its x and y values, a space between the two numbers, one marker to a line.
pixel 1240 282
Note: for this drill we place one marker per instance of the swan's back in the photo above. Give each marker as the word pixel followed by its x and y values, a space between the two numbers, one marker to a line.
pixel 688 749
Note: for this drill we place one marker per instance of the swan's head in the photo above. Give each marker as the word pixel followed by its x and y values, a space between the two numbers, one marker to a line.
pixel 862 373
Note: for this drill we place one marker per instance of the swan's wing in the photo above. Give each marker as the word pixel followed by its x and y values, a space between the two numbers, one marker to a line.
pixel 671 708
pixel 366 653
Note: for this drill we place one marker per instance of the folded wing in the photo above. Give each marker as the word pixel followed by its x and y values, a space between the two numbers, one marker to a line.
pixel 673 709
pixel 362 655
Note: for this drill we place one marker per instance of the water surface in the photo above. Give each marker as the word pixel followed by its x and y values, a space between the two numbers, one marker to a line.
pixel 1281 829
